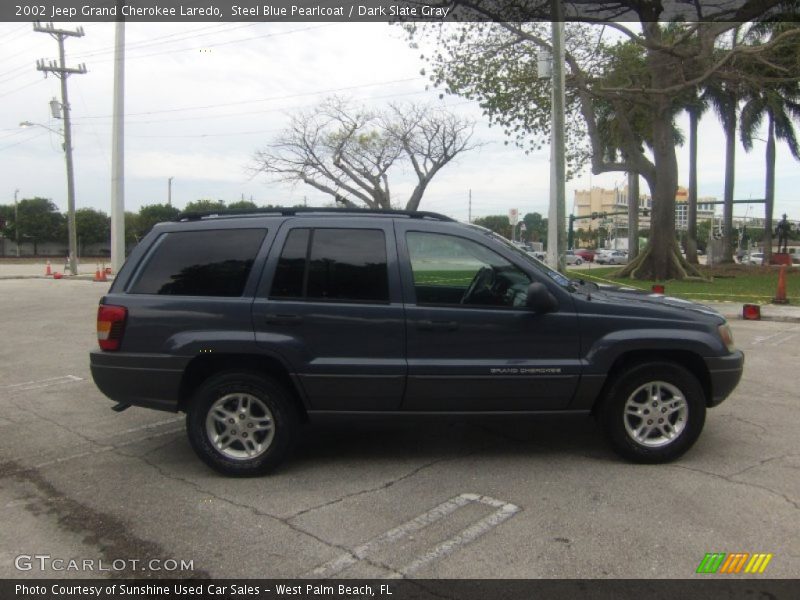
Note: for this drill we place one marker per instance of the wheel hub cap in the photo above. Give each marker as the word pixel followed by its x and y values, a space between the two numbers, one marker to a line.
pixel 655 414
pixel 240 426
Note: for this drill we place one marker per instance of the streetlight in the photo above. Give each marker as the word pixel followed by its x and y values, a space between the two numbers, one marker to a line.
pixel 71 229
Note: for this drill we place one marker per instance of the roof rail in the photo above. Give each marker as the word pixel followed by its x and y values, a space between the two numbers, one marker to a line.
pixel 287 212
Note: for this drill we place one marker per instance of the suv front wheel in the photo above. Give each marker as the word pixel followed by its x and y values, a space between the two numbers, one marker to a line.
pixel 654 412
pixel 241 424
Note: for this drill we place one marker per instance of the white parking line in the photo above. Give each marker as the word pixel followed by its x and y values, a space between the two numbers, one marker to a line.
pixel 776 339
pixel 504 511
pixel 38 384
pixel 62 459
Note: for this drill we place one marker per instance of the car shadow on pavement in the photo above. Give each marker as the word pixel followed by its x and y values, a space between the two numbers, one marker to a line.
pixel 431 438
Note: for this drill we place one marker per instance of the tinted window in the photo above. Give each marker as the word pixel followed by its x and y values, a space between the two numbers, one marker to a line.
pixel 288 282
pixel 342 264
pixel 454 270
pixel 201 263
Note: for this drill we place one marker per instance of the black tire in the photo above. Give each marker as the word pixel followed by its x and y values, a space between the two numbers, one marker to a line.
pixel 265 434
pixel 578 262
pixel 635 390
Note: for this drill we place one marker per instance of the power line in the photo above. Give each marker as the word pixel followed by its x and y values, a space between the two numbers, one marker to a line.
pixel 216 45
pixel 250 132
pixel 270 99
pixel 33 137
pixel 21 88
pixel 155 41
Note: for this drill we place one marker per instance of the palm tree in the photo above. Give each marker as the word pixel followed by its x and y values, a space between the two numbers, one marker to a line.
pixel 696 106
pixel 724 97
pixel 779 104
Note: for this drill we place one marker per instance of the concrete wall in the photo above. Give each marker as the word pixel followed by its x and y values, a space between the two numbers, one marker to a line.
pixel 9 249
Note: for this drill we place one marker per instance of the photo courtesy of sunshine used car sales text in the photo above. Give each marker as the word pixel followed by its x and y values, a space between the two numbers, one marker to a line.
pixel 243 590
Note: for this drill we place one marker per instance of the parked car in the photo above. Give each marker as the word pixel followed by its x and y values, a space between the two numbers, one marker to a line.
pixel 253 324
pixel 538 254
pixel 572 259
pixel 612 257
pixel 754 258
pixel 585 254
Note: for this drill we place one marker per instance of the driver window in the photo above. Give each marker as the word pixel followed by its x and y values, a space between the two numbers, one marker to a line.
pixel 453 270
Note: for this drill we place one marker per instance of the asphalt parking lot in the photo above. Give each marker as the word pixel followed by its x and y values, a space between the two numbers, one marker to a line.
pixel 518 498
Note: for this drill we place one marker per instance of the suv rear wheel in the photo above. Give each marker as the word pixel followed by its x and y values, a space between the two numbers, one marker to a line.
pixel 241 424
pixel 654 412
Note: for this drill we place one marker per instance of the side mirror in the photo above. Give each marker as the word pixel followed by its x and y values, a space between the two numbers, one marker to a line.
pixel 540 299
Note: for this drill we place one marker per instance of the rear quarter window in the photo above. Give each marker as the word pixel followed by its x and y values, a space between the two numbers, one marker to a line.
pixel 200 263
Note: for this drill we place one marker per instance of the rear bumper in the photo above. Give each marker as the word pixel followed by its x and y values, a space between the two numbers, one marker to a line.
pixel 152 381
pixel 725 373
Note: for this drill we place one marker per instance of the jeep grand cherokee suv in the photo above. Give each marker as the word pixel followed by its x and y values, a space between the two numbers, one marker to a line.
pixel 252 323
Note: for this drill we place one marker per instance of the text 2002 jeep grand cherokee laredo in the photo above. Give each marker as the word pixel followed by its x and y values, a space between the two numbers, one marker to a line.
pixel 251 323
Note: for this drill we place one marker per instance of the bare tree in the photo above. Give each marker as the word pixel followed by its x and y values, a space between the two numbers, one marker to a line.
pixel 347 151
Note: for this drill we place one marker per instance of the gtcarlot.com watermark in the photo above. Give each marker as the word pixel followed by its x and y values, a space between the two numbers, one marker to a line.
pixel 46 562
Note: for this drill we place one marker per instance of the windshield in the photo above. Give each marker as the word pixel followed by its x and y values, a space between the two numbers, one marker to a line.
pixel 559 278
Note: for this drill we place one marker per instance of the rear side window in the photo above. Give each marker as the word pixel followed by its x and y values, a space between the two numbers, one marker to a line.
pixel 347 265
pixel 201 263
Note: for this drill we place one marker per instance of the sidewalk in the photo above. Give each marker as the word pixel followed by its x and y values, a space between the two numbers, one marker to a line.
pixel 732 311
pixel 36 270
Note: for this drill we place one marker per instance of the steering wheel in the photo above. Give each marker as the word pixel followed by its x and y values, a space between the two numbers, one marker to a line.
pixel 484 279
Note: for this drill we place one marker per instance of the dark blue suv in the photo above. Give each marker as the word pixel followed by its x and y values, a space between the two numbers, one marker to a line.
pixel 252 323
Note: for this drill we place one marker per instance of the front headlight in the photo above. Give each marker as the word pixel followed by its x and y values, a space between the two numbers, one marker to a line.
pixel 726 335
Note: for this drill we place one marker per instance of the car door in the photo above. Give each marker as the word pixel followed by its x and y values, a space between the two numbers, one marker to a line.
pixel 330 305
pixel 480 349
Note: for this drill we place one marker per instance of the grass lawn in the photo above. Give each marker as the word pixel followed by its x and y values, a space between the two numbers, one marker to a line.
pixel 733 283
pixel 447 278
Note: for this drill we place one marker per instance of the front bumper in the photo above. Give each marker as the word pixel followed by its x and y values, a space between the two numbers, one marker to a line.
pixel 725 373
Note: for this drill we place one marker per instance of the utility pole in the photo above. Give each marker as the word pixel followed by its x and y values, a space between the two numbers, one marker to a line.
pixel 169 191
pixel 61 71
pixel 118 153
pixel 470 207
pixel 16 221
pixel 556 245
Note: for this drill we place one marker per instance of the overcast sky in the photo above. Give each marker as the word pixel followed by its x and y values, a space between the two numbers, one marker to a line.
pixel 202 98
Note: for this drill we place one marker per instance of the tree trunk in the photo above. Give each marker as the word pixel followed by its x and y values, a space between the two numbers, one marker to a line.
pixel 769 195
pixel 730 165
pixel 691 230
pixel 661 259
pixel 633 215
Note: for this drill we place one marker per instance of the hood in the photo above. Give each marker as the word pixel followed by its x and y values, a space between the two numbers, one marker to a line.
pixel 635 297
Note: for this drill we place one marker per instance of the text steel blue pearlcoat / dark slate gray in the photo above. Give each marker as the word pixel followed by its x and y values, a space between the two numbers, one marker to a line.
pixel 398 354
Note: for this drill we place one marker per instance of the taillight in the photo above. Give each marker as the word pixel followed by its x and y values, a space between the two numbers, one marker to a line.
pixel 110 326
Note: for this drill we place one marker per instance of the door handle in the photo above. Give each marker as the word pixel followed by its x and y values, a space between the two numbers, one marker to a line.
pixel 283 319
pixel 437 325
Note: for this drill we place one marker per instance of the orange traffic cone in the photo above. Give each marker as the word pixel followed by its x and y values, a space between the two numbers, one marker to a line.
pixel 97 274
pixel 780 295
pixel 48 271
pixel 103 272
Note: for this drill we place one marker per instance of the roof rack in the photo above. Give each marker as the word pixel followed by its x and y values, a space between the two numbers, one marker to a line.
pixel 288 212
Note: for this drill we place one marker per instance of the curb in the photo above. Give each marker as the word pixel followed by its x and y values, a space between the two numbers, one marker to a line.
pixel 85 277
pixel 769 312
